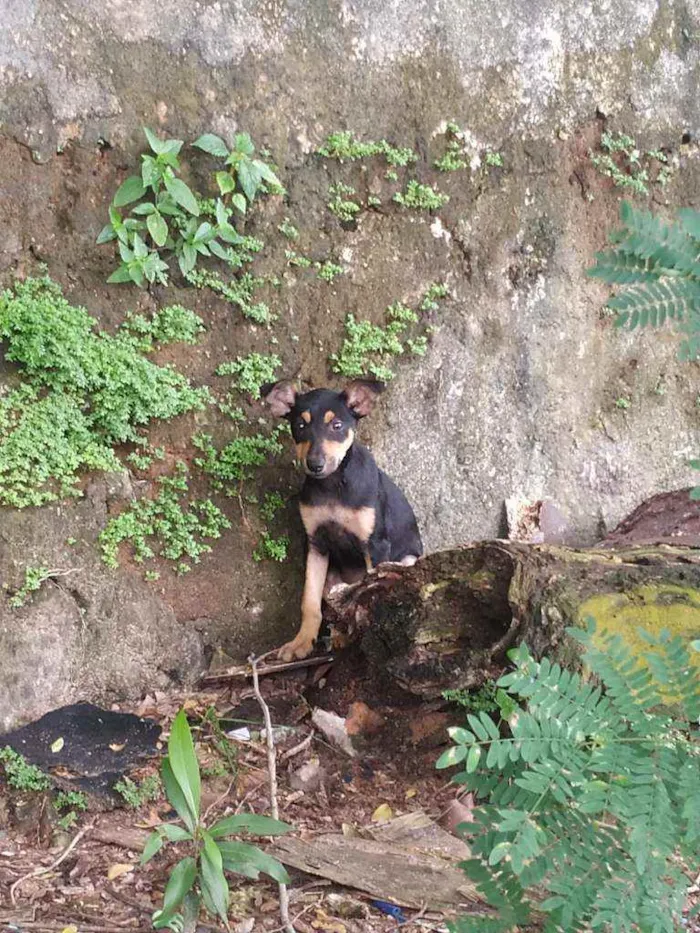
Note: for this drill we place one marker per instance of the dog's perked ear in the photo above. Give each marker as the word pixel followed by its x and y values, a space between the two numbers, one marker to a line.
pixel 279 397
pixel 361 394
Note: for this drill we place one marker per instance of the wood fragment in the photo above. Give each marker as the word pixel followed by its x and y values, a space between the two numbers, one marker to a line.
pixel 398 874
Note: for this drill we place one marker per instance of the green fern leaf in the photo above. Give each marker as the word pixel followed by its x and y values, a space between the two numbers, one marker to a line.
pixel 622 269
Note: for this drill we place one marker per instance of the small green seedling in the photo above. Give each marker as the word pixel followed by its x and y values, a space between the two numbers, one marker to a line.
pixel 341 205
pixel 246 176
pixel 200 876
pixel 19 774
pixel 420 197
pixel 251 372
pixel 135 795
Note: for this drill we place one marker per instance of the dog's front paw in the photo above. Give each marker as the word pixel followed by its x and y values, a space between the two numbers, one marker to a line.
pixel 296 650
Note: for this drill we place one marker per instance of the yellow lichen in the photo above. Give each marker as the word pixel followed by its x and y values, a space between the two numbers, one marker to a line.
pixel 654 608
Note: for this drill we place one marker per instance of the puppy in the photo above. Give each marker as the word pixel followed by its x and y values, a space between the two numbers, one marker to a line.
pixel 354 516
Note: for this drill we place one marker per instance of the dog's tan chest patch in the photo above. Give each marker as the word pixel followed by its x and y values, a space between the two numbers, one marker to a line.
pixel 358 522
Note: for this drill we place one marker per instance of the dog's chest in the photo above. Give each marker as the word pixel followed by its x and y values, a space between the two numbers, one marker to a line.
pixel 332 516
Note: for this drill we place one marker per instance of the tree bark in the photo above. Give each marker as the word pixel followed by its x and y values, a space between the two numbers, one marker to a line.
pixel 447 621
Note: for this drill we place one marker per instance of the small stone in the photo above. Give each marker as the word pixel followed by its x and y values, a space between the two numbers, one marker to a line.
pixel 362 720
pixel 458 812
pixel 429 729
pixel 335 730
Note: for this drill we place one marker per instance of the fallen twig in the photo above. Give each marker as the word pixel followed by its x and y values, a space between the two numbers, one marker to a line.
pixel 304 744
pixel 272 769
pixel 244 670
pixel 45 871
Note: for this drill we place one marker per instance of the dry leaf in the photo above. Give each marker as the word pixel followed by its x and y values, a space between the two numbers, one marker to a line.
pixel 327 924
pixel 411 792
pixel 118 748
pixel 349 831
pixel 382 814
pixel 70 929
pixel 57 745
pixel 118 869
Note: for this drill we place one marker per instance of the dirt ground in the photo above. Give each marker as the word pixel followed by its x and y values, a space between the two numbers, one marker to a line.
pixel 88 878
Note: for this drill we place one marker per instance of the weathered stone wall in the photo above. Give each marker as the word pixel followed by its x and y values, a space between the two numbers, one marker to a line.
pixel 517 392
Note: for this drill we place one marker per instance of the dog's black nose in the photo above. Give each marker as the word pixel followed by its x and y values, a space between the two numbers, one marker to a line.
pixel 315 466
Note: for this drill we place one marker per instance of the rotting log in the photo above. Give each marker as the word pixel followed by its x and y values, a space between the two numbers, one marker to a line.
pixel 447 621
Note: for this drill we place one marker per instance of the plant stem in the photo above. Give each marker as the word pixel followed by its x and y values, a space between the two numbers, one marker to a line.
pixel 272 770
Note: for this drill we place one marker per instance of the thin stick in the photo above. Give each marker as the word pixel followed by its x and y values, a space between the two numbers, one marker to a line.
pixel 298 748
pixel 272 768
pixel 45 871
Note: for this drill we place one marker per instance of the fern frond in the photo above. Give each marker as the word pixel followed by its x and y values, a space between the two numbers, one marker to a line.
pixel 690 221
pixel 622 268
pixel 670 664
pixel 688 800
pixel 629 687
pixel 666 246
pixel 655 303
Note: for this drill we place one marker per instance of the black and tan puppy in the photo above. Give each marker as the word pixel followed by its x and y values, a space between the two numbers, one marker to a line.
pixel 354 516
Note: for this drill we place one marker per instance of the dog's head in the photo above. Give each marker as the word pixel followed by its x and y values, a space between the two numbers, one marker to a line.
pixel 322 421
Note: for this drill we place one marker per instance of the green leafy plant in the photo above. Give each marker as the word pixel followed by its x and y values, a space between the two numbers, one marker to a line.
pixel 173 324
pixel 370 348
pixel 200 875
pixel 84 391
pixel 656 266
pixel 251 372
pixel 143 459
pixel 344 146
pixel 237 461
pixel 136 795
pixel 488 699
pixel 19 774
pixel 33 578
pixel 73 802
pixel 270 548
pixel 238 292
pixel 629 167
pixel 167 217
pixel 328 271
pixel 493 159
pixel 420 197
pixel 296 259
pixel 288 230
pixel 590 797
pixel 454 157
pixel 180 532
pixel 340 204
pixel 245 177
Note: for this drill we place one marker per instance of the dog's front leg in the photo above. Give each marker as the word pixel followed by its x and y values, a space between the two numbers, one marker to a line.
pixel 316 571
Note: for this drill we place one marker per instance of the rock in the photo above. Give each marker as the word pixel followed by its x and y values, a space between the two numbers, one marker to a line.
pixel 429 728
pixel 96 747
pixel 458 811
pixel 335 730
pixel 362 720
pixel 517 389
pixel 539 522
pixel 308 777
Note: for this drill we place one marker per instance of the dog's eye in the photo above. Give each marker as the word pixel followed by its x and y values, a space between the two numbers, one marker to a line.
pixel 337 425
pixel 301 425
